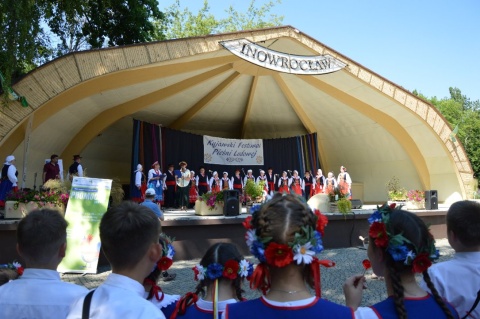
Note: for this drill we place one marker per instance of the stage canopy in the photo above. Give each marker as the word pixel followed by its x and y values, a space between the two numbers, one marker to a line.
pixel 84 102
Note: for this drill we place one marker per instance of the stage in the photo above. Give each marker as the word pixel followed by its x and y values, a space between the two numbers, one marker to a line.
pixel 194 234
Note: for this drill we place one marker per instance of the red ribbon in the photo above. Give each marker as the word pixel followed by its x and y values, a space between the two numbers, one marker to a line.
pixel 155 289
pixel 260 278
pixel 189 299
pixel 315 268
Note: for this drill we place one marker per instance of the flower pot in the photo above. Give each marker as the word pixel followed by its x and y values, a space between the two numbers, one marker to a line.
pixel 202 209
pixel 24 208
pixel 415 205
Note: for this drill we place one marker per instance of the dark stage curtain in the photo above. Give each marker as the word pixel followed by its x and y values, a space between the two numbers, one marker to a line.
pixel 146 147
pixel 151 143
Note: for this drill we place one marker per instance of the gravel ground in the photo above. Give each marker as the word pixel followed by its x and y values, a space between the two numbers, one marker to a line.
pixel 348 262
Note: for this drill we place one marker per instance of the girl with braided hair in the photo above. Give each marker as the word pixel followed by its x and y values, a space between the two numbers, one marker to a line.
pixel 285 235
pixel 220 274
pixel 400 246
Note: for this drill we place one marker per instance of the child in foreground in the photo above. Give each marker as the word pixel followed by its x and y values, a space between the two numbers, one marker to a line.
pixel 220 274
pixel 285 235
pixel 400 246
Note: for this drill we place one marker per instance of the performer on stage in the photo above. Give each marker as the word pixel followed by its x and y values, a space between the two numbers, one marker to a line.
pixel 182 182
pixel 308 185
pixel 249 176
pixel 51 170
pixel 263 179
pixel 284 184
pixel 138 193
pixel 193 192
pixel 237 181
pixel 215 183
pixel 330 184
pixel 226 183
pixel 297 184
pixel 202 182
pixel 171 187
pixel 319 182
pixel 271 180
pixel 155 181
pixel 76 169
pixel 8 179
pixel 344 180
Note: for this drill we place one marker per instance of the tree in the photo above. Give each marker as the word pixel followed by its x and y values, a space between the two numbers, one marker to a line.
pixel 183 23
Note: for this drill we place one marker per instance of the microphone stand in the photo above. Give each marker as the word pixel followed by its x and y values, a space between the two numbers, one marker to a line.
pixel 35 181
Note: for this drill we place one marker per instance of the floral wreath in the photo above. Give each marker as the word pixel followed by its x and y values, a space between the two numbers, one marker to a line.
pixel 162 265
pixel 301 250
pixel 13 266
pixel 399 247
pixel 232 270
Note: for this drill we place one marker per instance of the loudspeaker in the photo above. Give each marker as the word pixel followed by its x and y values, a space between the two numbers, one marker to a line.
pixel 356 203
pixel 431 199
pixel 231 200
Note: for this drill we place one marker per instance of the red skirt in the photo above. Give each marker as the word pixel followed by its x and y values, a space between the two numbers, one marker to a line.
pixel 297 189
pixel 284 189
pixel 216 189
pixel 193 195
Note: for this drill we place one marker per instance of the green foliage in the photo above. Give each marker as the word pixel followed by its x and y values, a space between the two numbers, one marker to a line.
pixel 253 189
pixel 344 206
pixel 183 23
pixel 394 190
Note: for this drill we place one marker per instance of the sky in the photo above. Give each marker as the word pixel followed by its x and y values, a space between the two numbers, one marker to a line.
pixel 425 45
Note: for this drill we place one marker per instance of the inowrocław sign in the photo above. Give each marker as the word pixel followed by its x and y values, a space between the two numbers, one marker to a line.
pixel 283 62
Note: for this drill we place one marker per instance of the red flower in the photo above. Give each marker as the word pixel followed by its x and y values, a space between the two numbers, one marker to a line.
pixel 195 272
pixel 393 205
pixel 366 264
pixel 322 221
pixel 421 263
pixel 230 270
pixel 278 255
pixel 164 263
pixel 20 271
pixel 247 222
pixel 379 233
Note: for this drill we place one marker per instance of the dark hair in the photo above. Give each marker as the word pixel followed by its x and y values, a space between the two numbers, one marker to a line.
pixel 6 275
pixel 463 219
pixel 282 217
pixel 40 234
pixel 416 231
pixel 155 274
pixel 218 253
pixel 126 231
pixel 53 156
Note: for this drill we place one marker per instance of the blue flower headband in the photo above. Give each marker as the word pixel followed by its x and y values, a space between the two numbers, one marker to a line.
pixel 231 270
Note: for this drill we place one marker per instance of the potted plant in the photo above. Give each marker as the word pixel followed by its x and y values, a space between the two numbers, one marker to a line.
pixel 416 199
pixel 396 193
pixel 344 206
pixel 211 200
pixel 254 191
pixel 20 203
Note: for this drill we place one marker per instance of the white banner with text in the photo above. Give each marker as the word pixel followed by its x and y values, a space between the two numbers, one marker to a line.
pixel 226 151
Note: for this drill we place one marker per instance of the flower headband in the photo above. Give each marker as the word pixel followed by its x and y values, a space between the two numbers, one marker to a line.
pixel 301 250
pixel 13 266
pixel 162 265
pixel 231 270
pixel 399 247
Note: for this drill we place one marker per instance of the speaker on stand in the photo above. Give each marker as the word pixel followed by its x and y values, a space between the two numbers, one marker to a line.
pixel 231 200
pixel 431 199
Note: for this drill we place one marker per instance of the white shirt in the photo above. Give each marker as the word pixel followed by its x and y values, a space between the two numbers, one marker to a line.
pixel 138 179
pixel 38 293
pixel 281 179
pixel 119 297
pixel 80 170
pixel 11 175
pixel 348 179
pixel 458 281
pixel 263 179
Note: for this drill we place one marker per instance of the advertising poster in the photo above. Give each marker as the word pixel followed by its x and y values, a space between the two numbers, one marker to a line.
pixel 87 203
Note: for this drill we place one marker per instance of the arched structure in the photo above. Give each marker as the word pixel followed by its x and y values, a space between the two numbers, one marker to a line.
pixel 83 103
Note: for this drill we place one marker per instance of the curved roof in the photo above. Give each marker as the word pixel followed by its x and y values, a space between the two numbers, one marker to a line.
pixel 84 102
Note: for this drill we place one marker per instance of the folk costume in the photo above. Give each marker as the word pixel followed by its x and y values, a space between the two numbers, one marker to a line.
pixel 237 182
pixel 344 182
pixel 308 186
pixel 248 177
pixel 284 184
pixel 8 179
pixel 263 178
pixel 202 183
pixel 215 183
pixel 297 184
pixel 138 192
pixel 183 183
pixel 171 187
pixel 193 192
pixel 155 181
pixel 226 183
pixel 76 169
pixel 319 184
pixel 271 181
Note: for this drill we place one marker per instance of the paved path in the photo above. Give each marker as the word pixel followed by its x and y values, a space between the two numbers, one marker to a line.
pixel 348 262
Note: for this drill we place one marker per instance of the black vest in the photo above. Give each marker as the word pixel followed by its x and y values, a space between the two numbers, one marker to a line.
pixel 73 168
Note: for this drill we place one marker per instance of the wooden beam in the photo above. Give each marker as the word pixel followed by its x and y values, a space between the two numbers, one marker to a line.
pixel 386 121
pixel 200 105
pixel 297 107
pixel 248 107
pixel 112 115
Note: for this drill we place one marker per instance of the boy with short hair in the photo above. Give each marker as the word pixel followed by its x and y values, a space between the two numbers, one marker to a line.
pixel 458 280
pixel 130 240
pixel 39 292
